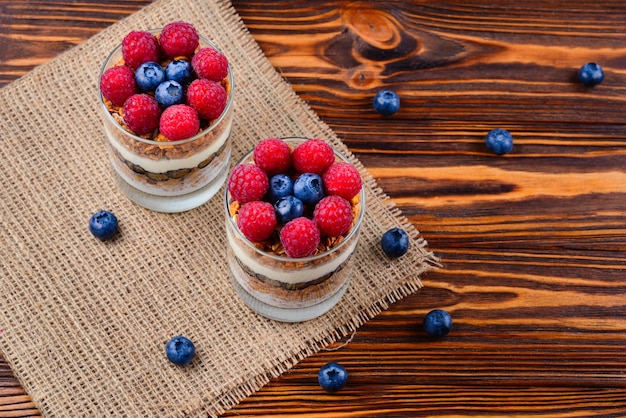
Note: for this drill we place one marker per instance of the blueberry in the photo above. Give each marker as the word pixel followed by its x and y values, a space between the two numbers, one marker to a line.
pixel 386 102
pixel 309 188
pixel 180 350
pixel 103 225
pixel 499 141
pixel 395 242
pixel 149 75
pixel 281 185
pixel 590 74
pixel 332 377
pixel 288 208
pixel 437 323
pixel 169 93
pixel 180 71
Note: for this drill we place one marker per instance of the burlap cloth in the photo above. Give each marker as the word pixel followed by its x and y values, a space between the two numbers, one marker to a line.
pixel 84 323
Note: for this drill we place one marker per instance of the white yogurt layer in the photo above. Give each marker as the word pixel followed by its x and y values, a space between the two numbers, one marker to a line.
pixel 291 276
pixel 165 165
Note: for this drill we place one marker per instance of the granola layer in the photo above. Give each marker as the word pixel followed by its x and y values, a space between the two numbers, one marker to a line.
pixel 286 295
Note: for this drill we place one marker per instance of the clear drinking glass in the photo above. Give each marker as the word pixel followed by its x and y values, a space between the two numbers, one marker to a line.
pixel 172 176
pixel 290 289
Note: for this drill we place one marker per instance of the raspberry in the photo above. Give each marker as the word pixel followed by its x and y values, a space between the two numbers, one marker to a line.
pixel 300 237
pixel 256 220
pixel 273 155
pixel 141 113
pixel 179 122
pixel 139 47
pixel 207 97
pixel 342 179
pixel 333 216
pixel 117 84
pixel 179 39
pixel 247 183
pixel 313 156
pixel 211 64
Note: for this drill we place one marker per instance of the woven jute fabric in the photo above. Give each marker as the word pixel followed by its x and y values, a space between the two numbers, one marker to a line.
pixel 84 323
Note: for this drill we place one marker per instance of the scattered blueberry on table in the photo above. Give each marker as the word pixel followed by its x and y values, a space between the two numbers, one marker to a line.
pixel 103 225
pixel 437 323
pixel 180 350
pixel 591 74
pixel 395 242
pixel 386 102
pixel 332 377
pixel 257 220
pixel 499 141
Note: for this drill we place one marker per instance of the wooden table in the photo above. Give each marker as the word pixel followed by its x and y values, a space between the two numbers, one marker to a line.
pixel 533 243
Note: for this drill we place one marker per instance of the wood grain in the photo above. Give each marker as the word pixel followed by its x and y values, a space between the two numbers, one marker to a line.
pixel 533 243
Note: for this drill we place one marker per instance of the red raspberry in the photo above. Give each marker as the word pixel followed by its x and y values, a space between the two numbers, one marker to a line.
pixel 179 122
pixel 300 237
pixel 273 155
pixel 211 64
pixel 179 39
pixel 117 84
pixel 256 220
pixel 141 113
pixel 333 216
pixel 207 97
pixel 313 156
pixel 342 179
pixel 247 183
pixel 139 47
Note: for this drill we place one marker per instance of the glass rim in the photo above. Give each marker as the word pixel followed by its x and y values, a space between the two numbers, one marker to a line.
pixel 216 122
pixel 284 259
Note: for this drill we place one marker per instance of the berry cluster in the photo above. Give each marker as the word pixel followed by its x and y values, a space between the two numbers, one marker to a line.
pixel 294 197
pixel 167 86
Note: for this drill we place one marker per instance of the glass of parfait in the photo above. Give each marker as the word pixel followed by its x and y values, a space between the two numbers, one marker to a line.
pixel 271 273
pixel 167 122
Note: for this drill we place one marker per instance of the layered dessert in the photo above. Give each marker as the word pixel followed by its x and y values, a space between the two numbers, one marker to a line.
pixel 293 212
pixel 166 97
pixel 170 169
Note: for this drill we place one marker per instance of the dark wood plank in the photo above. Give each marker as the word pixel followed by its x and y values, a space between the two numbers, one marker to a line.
pixel 532 242
pixel 14 401
pixel 34 31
